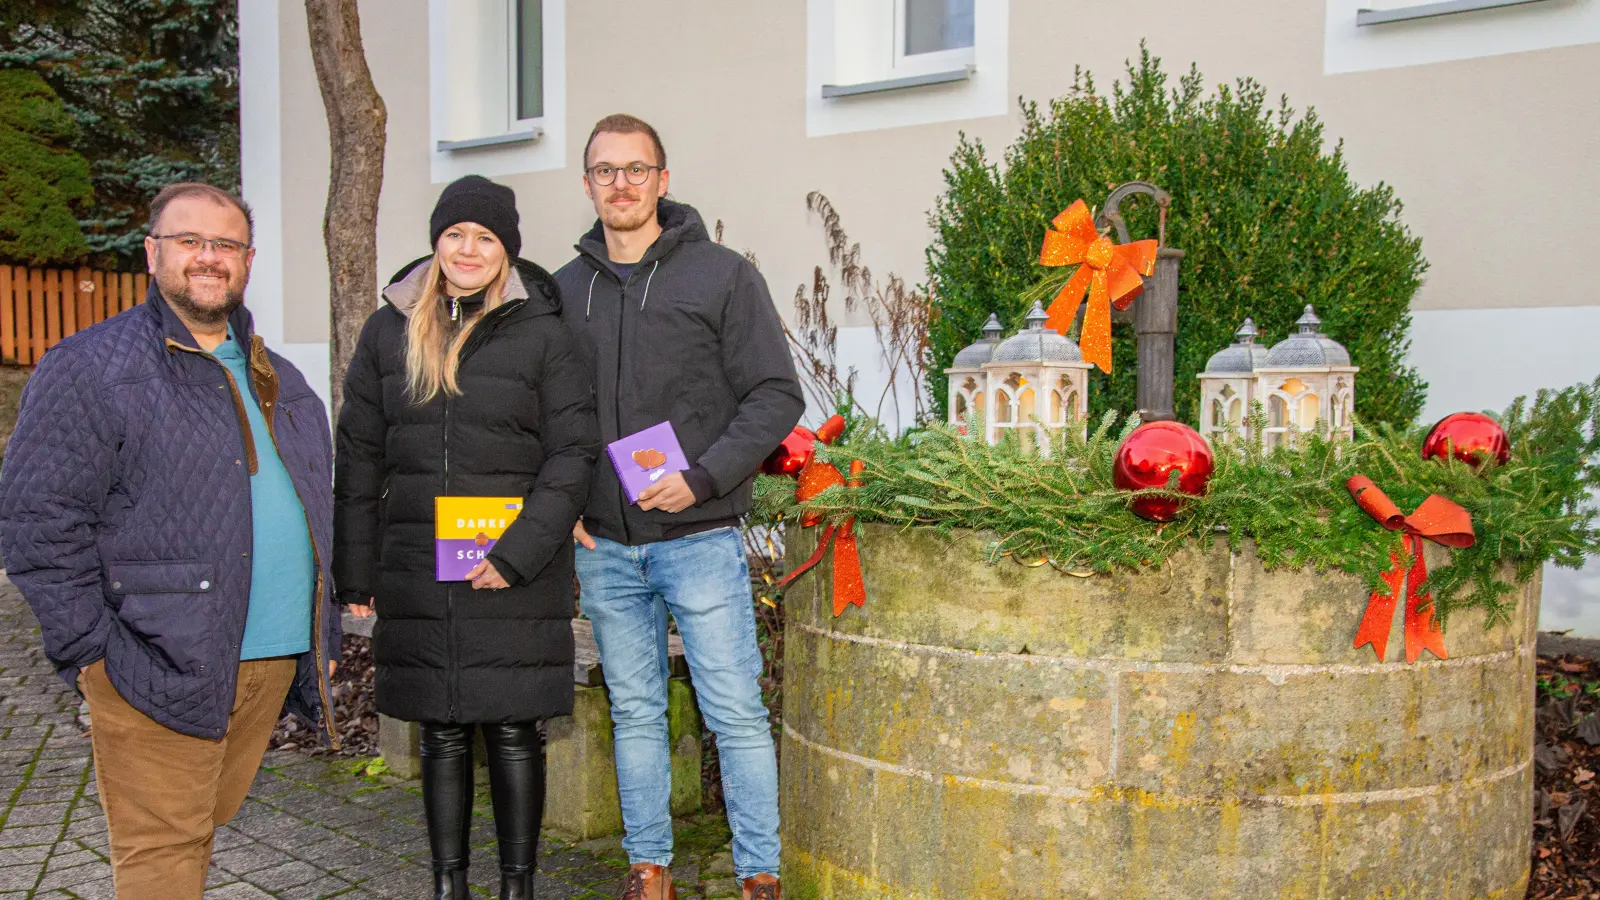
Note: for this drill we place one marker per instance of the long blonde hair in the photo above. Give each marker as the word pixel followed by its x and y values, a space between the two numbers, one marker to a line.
pixel 432 354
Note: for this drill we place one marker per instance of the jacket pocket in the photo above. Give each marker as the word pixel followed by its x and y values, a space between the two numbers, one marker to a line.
pixel 163 603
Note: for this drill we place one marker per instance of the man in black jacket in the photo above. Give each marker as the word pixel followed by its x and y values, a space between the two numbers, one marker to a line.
pixel 682 330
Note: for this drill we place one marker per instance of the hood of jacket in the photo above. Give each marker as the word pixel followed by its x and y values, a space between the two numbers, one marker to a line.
pixel 528 282
pixel 680 224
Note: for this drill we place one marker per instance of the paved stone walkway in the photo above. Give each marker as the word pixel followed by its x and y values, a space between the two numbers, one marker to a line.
pixel 312 827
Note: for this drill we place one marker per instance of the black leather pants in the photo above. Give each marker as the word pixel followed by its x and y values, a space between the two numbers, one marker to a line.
pixel 516 784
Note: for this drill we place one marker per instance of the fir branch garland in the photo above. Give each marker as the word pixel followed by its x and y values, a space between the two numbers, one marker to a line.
pixel 1292 502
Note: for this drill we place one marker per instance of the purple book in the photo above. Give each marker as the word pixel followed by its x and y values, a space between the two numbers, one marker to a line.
pixel 642 458
pixel 465 530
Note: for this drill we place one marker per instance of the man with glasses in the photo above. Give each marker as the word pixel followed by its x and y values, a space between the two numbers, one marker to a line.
pixel 680 330
pixel 166 508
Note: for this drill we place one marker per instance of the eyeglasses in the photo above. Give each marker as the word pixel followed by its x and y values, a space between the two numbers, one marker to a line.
pixel 637 173
pixel 194 243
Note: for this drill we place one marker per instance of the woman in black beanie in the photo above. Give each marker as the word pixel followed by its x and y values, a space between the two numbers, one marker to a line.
pixel 465 384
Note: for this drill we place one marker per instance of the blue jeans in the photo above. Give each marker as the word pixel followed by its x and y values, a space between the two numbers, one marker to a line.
pixel 704 581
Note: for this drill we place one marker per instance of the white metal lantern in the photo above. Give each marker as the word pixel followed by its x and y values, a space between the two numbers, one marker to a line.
pixel 1036 382
pixel 1228 387
pixel 1306 383
pixel 968 392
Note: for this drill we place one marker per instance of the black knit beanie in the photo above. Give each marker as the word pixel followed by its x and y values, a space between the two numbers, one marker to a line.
pixel 477 199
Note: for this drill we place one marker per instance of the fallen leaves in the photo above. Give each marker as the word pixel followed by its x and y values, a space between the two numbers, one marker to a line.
pixel 1566 757
pixel 355 709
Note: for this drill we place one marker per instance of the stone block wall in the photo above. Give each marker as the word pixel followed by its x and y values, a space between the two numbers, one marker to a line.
pixel 1201 731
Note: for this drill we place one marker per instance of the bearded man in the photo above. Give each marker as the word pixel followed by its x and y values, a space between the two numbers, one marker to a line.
pixel 166 508
pixel 678 329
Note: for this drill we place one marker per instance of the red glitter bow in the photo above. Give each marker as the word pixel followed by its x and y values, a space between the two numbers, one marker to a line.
pixel 1108 271
pixel 1437 519
pixel 816 477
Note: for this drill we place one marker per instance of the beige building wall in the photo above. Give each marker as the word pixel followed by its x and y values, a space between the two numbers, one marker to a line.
pixel 1494 154
pixel 1465 143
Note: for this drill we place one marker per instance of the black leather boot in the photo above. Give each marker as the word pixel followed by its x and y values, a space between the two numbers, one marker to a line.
pixel 446 752
pixel 516 885
pixel 516 782
pixel 451 885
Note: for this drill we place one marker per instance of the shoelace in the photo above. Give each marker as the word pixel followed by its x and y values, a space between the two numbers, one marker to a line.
pixel 633 888
pixel 764 892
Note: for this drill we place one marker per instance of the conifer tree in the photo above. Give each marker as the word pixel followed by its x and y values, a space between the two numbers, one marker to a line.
pixel 153 87
pixel 44 184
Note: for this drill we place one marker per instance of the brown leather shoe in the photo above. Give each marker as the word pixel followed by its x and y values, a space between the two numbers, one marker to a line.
pixel 762 887
pixel 648 881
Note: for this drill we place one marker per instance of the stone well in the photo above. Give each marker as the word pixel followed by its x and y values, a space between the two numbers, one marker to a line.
pixel 1204 731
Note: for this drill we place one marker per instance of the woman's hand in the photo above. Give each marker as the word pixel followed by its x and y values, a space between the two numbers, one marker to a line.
pixel 360 610
pixel 485 577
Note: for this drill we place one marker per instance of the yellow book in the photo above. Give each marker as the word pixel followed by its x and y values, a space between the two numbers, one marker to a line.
pixel 465 529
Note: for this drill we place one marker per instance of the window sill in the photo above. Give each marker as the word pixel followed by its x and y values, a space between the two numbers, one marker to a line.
pixel 831 91
pixel 1430 10
pixel 494 140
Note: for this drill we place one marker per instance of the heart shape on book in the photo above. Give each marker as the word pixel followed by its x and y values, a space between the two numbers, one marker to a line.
pixel 649 459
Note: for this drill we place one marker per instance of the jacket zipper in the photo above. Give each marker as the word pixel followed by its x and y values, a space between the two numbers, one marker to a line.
pixel 450 587
pixel 318 641
pixel 616 400
pixel 602 264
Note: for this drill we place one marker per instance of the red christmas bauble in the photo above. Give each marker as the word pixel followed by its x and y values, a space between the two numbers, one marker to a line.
pixel 1148 458
pixel 831 430
pixel 1473 437
pixel 791 455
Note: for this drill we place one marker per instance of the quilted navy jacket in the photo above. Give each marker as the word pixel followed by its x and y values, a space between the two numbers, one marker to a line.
pixel 125 513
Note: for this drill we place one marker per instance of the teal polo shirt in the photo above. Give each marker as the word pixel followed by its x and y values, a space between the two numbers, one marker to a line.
pixel 282 567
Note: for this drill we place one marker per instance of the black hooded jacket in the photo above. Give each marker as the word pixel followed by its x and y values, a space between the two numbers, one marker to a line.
pixel 690 337
pixel 523 426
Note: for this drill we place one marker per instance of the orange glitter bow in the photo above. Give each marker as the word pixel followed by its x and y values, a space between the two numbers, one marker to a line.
pixel 1109 271
pixel 1437 519
pixel 816 477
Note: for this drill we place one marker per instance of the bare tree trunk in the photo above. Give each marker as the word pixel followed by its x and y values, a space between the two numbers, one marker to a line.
pixel 356 134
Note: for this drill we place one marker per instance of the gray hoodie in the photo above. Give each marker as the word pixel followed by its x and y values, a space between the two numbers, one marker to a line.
pixel 691 337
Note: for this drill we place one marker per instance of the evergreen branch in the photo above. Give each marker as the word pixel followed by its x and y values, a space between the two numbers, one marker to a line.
pixel 1290 501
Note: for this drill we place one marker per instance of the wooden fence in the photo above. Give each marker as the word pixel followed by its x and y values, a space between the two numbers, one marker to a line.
pixel 39 307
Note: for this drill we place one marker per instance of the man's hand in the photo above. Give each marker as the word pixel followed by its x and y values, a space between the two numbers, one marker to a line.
pixel 671 494
pixel 332 665
pixel 360 610
pixel 83 669
pixel 581 535
pixel 485 577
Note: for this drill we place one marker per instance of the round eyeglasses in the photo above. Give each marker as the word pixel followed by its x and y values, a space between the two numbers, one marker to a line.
pixel 637 173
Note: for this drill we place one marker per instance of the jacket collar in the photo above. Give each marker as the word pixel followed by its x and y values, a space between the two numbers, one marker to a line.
pixel 173 329
pixel 406 289
pixel 680 224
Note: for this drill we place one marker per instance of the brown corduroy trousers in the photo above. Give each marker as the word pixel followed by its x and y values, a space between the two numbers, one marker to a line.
pixel 164 793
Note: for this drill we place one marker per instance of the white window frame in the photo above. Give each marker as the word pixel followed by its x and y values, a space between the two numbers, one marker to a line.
pixel 472 53
pixel 1349 46
pixel 513 70
pixel 858 78
pixel 908 65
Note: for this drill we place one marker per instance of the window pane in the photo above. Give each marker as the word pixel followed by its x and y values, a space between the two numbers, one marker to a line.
pixel 530 59
pixel 934 25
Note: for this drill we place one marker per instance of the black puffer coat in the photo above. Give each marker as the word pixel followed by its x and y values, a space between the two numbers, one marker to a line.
pixel 523 426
